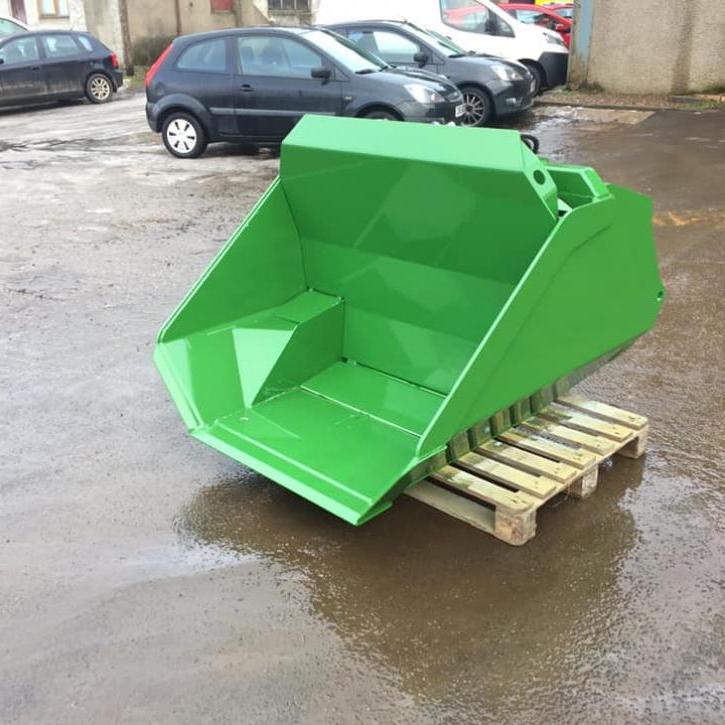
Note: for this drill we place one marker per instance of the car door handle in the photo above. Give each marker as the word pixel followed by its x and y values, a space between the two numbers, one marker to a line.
pixel 35 67
pixel 246 88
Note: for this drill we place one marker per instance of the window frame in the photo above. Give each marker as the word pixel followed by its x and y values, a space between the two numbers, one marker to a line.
pixel 56 12
pixel 298 6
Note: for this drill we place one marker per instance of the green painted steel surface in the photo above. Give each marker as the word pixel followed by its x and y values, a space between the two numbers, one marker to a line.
pixel 396 287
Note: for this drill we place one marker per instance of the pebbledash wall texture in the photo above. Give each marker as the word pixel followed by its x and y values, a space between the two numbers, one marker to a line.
pixel 649 46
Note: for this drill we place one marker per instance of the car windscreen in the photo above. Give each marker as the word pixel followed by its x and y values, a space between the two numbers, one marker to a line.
pixel 438 41
pixel 346 53
pixel 8 27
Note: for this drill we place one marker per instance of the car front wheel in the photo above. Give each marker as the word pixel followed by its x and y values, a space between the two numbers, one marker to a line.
pixel 183 136
pixel 538 77
pixel 379 114
pixel 99 88
pixel 478 108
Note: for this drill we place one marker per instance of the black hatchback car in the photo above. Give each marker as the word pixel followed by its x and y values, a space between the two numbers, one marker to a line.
pixel 56 65
pixel 491 87
pixel 252 85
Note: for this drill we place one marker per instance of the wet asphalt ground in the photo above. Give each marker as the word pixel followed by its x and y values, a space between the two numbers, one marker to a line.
pixel 145 578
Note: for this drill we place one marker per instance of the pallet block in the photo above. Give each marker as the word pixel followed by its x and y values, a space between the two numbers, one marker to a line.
pixel 499 486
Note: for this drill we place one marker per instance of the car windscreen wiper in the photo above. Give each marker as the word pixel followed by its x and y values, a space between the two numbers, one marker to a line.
pixel 365 71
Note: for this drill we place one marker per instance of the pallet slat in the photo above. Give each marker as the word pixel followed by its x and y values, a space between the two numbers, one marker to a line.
pixel 587 424
pixel 454 505
pixel 604 411
pixel 536 485
pixel 487 491
pixel 527 461
pixel 570 456
pixel 601 447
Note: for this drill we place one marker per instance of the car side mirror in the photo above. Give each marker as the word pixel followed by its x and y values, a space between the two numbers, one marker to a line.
pixel 421 58
pixel 321 72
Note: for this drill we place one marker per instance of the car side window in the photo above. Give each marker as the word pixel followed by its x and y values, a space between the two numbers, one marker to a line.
pixel 473 18
pixel 208 56
pixel 85 41
pixel 278 57
pixel 392 47
pixel 59 46
pixel 20 50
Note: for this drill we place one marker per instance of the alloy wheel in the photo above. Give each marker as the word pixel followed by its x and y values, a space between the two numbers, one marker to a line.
pixel 100 88
pixel 474 113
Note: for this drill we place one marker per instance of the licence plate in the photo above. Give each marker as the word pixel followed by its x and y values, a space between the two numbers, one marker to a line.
pixel 460 110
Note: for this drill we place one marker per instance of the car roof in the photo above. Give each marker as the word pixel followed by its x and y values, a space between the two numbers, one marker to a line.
pixel 371 21
pixel 55 31
pixel 270 29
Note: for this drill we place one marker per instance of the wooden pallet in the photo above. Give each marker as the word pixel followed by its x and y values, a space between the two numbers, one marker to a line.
pixel 499 486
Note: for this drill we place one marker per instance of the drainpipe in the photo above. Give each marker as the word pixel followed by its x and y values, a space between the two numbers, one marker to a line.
pixel 581 43
pixel 125 37
pixel 177 16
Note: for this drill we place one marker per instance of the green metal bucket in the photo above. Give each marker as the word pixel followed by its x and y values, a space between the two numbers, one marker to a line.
pixel 396 287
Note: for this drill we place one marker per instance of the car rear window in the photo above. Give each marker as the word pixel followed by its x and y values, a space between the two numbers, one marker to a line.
pixel 85 41
pixel 207 55
pixel 57 46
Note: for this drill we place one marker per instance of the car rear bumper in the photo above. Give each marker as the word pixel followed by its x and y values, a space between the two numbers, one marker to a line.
pixel 152 116
pixel 420 113
pixel 117 75
pixel 555 66
pixel 513 97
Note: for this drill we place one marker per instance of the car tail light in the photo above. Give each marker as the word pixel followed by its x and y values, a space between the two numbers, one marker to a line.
pixel 114 60
pixel 157 64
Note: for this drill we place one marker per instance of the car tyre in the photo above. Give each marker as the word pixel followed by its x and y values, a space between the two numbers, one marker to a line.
pixel 380 114
pixel 539 80
pixel 478 108
pixel 183 136
pixel 99 88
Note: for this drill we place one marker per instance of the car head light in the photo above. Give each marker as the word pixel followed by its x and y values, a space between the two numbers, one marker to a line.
pixel 505 72
pixel 554 40
pixel 423 94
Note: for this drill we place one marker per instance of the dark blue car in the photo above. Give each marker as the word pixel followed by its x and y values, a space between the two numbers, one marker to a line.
pixel 56 65
pixel 492 87
pixel 251 85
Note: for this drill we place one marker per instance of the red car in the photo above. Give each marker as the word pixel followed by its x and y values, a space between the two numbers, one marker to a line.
pixel 543 15
pixel 565 10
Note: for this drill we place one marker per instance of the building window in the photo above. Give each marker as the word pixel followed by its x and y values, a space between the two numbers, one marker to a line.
pixel 289 6
pixel 53 8
pixel 222 6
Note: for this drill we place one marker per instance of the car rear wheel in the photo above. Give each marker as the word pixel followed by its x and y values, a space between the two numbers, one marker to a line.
pixel 183 136
pixel 478 108
pixel 99 88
